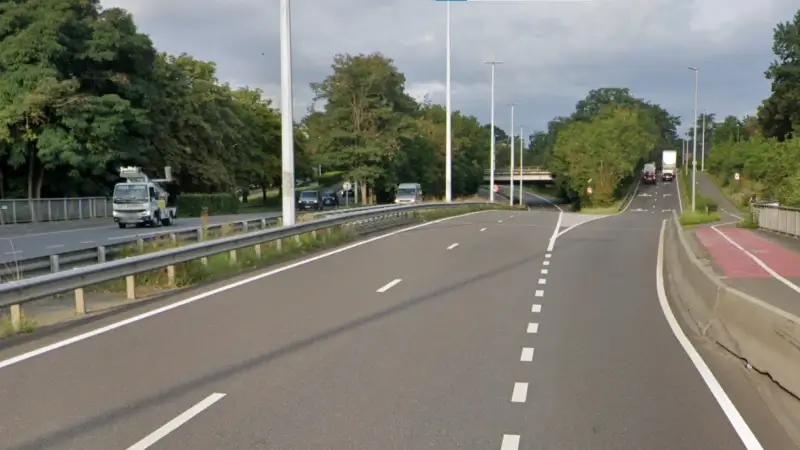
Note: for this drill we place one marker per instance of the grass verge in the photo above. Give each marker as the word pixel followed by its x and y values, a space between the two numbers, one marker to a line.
pixel 224 265
pixel 609 209
pixel 706 209
pixel 689 218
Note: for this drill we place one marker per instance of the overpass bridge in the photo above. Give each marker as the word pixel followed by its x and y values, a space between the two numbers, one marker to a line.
pixel 531 173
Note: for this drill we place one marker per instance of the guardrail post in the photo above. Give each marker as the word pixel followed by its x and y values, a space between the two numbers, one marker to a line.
pixel 245 226
pixel 232 257
pixel 140 243
pixel 263 224
pixel 257 250
pixel 171 276
pixel 80 209
pixel 130 287
pixel 101 254
pixel 49 210
pixel 54 264
pixel 314 234
pixel 173 239
pixel 16 317
pixel 80 302
pixel 279 245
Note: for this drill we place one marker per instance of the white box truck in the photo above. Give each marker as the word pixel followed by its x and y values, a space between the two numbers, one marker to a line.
pixel 669 162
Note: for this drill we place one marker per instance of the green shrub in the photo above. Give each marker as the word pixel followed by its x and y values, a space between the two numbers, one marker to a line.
pixel 191 205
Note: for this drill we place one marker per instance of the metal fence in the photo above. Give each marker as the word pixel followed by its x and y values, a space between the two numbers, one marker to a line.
pixel 52 209
pixel 19 292
pixel 780 219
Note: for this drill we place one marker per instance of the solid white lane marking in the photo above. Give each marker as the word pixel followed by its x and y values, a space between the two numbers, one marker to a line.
pixel 452 246
pixel 55 246
pixel 175 423
pixel 102 330
pixel 545 263
pixel 533 328
pixel 520 393
pixel 542 281
pixel 539 293
pixel 536 308
pixel 527 354
pixel 116 238
pixel 553 238
pixel 737 421
pixel 389 285
pixel 510 442
pixel 758 261
pixel 548 255
pixel 678 191
pixel 544 271
pixel 483 229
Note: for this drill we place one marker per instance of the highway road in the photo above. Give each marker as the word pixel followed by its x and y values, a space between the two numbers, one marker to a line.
pixel 42 239
pixel 478 332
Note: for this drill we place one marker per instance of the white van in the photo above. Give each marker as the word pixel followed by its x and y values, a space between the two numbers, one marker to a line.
pixel 408 193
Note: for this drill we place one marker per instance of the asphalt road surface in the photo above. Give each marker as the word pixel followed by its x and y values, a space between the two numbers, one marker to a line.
pixel 463 334
pixel 42 239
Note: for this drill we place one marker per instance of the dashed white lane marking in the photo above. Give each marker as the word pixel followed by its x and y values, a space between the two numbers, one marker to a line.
pixel 499 221
pixel 173 424
pixel 483 229
pixel 116 238
pixel 527 354
pixel 539 293
pixel 548 255
pixel 55 246
pixel 553 238
pixel 546 263
pixel 536 308
pixel 533 328
pixel 15 252
pixel 542 281
pixel 87 242
pixel 520 393
pixel 734 417
pixel 452 246
pixel 389 285
pixel 544 271
pixel 510 442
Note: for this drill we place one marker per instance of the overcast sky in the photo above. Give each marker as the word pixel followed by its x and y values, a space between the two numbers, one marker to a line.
pixel 553 52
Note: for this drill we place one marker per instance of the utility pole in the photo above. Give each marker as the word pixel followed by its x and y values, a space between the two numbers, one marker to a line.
pixel 694 139
pixel 511 164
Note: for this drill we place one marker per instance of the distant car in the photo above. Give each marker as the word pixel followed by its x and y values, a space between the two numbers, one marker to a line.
pixel 330 199
pixel 649 174
pixel 309 200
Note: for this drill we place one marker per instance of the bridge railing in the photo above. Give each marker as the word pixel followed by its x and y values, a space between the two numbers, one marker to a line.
pixel 504 171
pixel 780 219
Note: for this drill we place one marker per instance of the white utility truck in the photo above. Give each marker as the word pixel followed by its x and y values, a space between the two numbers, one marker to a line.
pixel 669 163
pixel 142 201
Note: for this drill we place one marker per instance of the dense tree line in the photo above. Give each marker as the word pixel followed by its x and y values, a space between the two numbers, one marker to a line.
pixel 764 150
pixel 603 143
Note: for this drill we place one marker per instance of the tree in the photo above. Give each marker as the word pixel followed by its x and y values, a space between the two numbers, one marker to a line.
pixel 779 115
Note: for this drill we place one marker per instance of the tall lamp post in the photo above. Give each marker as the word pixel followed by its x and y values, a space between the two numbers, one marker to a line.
pixel 521 147
pixel 511 160
pixel 491 143
pixel 694 138
pixel 448 167
pixel 287 116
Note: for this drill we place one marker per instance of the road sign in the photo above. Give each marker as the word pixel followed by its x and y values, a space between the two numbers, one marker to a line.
pixel 589 190
pixel 736 176
pixel 496 188
pixel 347 186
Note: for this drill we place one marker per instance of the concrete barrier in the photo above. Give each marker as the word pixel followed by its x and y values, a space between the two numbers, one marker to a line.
pixel 763 335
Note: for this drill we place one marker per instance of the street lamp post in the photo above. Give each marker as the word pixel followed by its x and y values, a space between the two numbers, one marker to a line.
pixel 491 143
pixel 511 158
pixel 287 116
pixel 703 151
pixel 694 138
pixel 521 146
pixel 448 170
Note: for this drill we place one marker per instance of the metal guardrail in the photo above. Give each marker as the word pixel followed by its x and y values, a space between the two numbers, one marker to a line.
pixel 53 209
pixel 16 293
pixel 532 170
pixel 37 266
pixel 780 219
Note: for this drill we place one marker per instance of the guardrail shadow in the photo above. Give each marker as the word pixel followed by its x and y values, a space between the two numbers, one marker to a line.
pixel 107 419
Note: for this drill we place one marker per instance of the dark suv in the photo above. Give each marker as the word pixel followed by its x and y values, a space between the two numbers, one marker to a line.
pixel 649 174
pixel 309 200
pixel 330 199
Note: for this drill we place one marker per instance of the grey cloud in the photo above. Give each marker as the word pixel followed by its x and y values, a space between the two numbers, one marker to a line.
pixel 553 53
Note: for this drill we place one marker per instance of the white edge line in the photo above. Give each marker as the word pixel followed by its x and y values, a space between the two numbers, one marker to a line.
pixel 761 263
pixel 680 193
pixel 737 421
pixel 96 332
pixel 389 285
pixel 175 423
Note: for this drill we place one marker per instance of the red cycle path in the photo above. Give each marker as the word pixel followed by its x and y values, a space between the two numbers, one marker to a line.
pixel 734 263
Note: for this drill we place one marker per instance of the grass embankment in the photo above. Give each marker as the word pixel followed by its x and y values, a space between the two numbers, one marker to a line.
pixel 739 193
pixel 623 194
pixel 706 209
pixel 223 265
